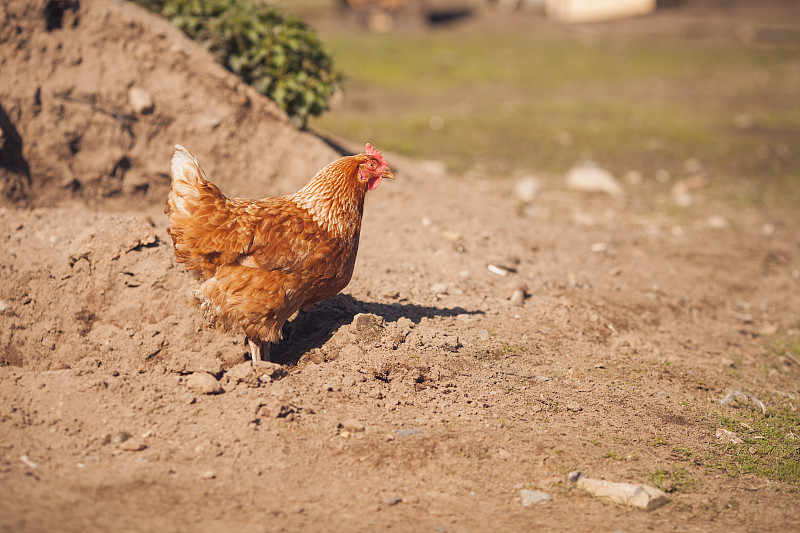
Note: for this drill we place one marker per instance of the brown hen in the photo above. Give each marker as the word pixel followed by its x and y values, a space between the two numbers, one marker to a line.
pixel 257 262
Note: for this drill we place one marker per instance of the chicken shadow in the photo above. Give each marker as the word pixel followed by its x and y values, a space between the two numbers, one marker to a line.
pixel 313 328
pixel 15 174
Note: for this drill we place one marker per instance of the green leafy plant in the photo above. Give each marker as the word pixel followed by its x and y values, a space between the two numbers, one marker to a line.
pixel 280 56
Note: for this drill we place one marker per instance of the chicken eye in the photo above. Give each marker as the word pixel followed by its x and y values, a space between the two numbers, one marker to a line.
pixel 371 165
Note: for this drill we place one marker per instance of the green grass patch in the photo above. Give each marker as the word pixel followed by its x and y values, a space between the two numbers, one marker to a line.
pixel 512 102
pixel 611 454
pixel 677 479
pixel 771 446
pixel 683 453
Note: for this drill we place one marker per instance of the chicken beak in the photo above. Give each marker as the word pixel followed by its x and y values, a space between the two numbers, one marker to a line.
pixel 388 174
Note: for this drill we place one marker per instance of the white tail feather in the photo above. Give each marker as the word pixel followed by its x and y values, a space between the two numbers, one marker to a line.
pixel 186 176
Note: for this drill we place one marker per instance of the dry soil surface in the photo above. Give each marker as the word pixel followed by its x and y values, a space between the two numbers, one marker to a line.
pixel 423 398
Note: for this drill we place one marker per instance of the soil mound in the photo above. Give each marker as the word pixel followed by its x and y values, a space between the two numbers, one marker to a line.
pixel 95 94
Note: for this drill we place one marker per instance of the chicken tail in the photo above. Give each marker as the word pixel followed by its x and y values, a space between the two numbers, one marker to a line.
pixel 187 180
pixel 191 203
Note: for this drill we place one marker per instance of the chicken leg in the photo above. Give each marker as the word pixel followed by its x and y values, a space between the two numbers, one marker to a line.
pixel 259 351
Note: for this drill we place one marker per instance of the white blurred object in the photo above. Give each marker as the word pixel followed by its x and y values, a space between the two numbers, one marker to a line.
pixel 589 177
pixel 577 11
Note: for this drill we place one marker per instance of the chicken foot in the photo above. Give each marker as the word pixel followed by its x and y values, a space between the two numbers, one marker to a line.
pixel 259 351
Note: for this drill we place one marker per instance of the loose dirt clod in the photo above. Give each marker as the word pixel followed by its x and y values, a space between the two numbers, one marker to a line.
pixel 203 383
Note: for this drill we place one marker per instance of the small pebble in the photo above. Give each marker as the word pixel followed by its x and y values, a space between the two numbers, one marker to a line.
pixel 439 288
pixel 532 497
pixel 680 193
pixel 574 407
pixel 208 474
pixel 392 499
pixel 500 271
pixel 728 436
pixel 599 247
pixel 591 178
pixel 451 235
pixel 526 189
pixel 141 101
pixel 3 306
pixel 717 222
pixel 517 297
pixel 119 438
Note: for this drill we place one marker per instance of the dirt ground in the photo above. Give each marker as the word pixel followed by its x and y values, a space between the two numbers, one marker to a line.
pixel 424 397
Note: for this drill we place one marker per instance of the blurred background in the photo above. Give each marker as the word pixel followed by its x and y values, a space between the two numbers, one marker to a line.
pixel 656 93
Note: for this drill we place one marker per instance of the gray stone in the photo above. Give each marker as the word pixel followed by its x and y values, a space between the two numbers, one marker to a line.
pixel 203 383
pixel 634 495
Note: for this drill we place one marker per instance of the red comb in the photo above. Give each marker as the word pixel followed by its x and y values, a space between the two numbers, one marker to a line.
pixel 376 154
